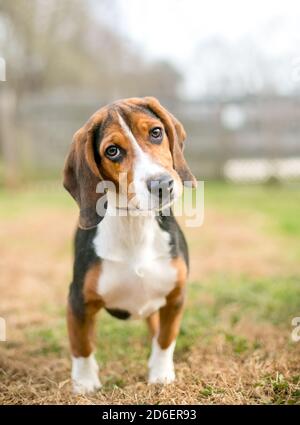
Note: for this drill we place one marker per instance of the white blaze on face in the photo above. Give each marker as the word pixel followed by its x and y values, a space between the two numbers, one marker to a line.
pixel 144 169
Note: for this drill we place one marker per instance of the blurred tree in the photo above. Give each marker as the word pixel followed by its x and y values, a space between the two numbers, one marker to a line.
pixel 70 45
pixel 224 70
pixel 43 43
pixel 59 43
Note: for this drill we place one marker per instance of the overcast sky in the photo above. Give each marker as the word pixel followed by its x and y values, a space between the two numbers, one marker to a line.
pixel 174 30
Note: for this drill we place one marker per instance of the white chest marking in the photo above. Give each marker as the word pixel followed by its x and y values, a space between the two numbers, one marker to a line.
pixel 136 274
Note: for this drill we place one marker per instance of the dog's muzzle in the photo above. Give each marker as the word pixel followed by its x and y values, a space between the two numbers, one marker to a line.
pixel 161 189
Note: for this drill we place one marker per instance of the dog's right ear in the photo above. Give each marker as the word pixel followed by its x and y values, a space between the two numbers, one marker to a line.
pixel 81 174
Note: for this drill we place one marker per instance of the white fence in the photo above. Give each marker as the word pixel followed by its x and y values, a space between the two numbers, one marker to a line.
pixel 262 170
pixel 249 141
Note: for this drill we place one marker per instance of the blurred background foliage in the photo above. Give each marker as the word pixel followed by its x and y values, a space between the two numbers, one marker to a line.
pixel 64 59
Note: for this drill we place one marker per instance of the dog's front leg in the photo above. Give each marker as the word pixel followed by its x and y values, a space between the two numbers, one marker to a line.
pixel 161 366
pixel 81 334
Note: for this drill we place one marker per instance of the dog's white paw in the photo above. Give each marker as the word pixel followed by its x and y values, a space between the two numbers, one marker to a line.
pixel 87 385
pixel 85 375
pixel 161 366
pixel 158 375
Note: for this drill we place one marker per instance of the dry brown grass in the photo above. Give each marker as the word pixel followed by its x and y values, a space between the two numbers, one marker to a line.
pixel 35 263
pixel 207 375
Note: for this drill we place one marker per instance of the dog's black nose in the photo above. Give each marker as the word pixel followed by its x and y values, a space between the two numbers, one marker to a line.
pixel 161 186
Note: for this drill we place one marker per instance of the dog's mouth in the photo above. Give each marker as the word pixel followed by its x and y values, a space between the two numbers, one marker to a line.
pixel 152 204
pixel 154 201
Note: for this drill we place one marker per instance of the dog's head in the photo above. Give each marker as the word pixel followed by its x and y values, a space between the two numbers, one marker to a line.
pixel 137 145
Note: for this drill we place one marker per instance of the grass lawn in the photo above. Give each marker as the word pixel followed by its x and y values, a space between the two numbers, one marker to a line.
pixel 235 344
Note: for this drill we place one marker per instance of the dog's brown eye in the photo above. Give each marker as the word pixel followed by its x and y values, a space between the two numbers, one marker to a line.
pixel 113 152
pixel 156 135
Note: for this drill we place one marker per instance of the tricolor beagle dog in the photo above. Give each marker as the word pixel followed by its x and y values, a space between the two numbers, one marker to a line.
pixel 133 260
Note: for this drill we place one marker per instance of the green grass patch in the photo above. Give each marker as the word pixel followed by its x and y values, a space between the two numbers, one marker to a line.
pixel 210 391
pixel 279 204
pixel 274 301
pixel 15 203
pixel 45 340
pixel 121 340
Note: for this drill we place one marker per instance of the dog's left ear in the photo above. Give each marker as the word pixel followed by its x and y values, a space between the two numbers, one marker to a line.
pixel 81 175
pixel 176 135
